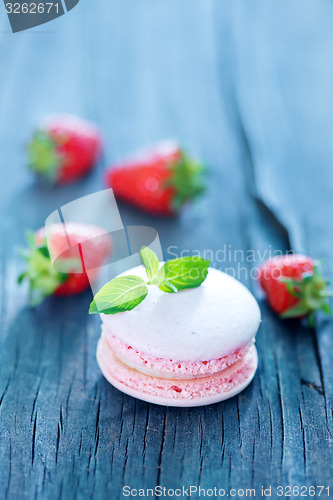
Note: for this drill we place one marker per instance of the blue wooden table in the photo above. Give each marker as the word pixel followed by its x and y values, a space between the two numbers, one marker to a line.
pixel 246 86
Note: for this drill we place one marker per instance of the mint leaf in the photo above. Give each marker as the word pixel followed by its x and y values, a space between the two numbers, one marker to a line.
pixel 166 286
pixel 187 272
pixel 150 261
pixel 118 295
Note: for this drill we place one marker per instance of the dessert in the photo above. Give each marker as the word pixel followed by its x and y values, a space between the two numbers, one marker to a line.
pixel 189 348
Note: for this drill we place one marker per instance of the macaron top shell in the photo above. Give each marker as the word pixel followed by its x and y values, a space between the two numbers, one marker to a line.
pixel 197 324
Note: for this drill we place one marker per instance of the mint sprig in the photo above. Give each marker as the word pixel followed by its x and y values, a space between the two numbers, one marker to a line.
pixel 127 292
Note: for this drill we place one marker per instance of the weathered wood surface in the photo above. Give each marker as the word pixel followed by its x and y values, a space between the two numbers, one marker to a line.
pixel 248 87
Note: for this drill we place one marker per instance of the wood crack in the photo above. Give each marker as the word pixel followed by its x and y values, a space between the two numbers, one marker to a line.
pixel 319 389
pixel 33 440
pixel 160 456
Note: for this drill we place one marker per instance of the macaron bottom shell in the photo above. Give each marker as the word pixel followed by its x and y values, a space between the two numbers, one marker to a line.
pixel 172 392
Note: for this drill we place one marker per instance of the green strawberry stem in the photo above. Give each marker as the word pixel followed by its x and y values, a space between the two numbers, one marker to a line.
pixel 43 157
pixel 312 294
pixel 43 278
pixel 186 180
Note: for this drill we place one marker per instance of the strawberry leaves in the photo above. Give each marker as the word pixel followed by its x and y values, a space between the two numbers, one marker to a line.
pixel 311 291
pixel 186 179
pixel 127 292
pixel 295 287
pixel 42 277
pixel 42 156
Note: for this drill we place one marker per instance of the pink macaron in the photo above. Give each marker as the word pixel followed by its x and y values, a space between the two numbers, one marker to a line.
pixel 192 348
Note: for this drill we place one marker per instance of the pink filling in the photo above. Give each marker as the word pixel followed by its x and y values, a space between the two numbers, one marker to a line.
pixel 168 367
pixel 218 383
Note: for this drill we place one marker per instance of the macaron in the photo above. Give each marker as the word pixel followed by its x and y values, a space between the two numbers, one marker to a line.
pixel 191 348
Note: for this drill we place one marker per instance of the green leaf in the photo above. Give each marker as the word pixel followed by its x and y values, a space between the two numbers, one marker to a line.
pixel 62 277
pixel 30 236
pixel 187 180
pixel 126 292
pixel 187 272
pixel 150 261
pixel 292 286
pixel 118 295
pixel 327 308
pixel 325 293
pixel 42 156
pixel 312 319
pixel 44 251
pixel 21 277
pixel 311 291
pixel 42 277
pixel 161 281
pixel 166 286
pixel 296 312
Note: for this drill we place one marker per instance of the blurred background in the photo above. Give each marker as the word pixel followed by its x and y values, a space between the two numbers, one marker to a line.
pixel 247 88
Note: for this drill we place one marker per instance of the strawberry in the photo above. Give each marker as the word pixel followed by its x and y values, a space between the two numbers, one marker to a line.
pixel 294 286
pixel 64 148
pixel 58 258
pixel 160 181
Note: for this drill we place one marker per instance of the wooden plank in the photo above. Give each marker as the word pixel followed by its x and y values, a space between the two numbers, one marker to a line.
pixel 206 73
pixel 281 87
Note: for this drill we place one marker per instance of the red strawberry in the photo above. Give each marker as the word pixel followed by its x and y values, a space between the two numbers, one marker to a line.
pixel 294 286
pixel 64 148
pixel 58 258
pixel 160 181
